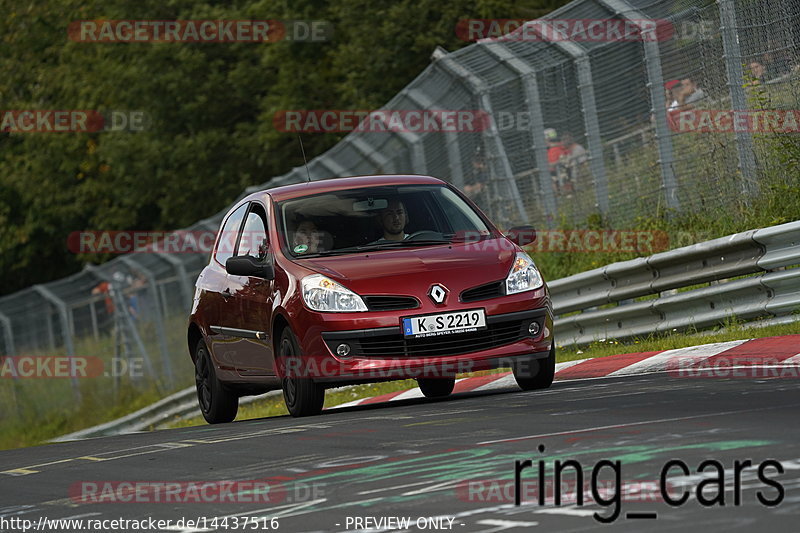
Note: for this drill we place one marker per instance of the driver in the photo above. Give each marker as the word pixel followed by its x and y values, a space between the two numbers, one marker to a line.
pixel 393 220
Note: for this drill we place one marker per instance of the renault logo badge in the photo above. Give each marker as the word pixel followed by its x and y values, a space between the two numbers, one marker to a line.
pixel 438 293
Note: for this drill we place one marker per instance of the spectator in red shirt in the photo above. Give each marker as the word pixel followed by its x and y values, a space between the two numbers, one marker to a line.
pixel 105 288
pixel 555 149
pixel 557 157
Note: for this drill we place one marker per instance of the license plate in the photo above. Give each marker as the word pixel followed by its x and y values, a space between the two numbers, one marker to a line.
pixel 444 323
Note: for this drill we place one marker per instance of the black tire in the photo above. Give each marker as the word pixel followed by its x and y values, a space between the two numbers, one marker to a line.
pixel 303 397
pixel 535 374
pixel 218 404
pixel 436 387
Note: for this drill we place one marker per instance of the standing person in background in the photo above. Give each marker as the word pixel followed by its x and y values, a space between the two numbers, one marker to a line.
pixel 757 72
pixel 557 157
pixel 776 60
pixel 691 91
pixel 674 96
pixel 476 182
pixel 577 158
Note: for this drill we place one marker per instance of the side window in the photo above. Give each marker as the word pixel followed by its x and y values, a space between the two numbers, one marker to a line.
pixel 228 235
pixel 254 236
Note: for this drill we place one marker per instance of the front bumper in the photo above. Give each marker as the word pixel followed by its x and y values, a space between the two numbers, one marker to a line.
pixel 383 343
pixel 383 353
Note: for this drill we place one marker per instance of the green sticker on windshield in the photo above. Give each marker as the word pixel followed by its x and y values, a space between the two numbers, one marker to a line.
pixel 300 248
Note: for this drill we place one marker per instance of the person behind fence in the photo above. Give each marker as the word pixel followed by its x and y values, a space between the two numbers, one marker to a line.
pixel 577 156
pixel 771 65
pixel 776 60
pixel 683 94
pixel 475 188
pixel 757 72
pixel 135 292
pixel 104 288
pixel 674 96
pixel 557 157
pixel 692 92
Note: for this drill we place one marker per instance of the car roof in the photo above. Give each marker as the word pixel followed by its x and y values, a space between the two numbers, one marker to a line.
pixel 298 190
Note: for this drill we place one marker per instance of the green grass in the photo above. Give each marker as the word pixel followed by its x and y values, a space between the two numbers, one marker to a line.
pixel 37 410
pixel 274 406
pixel 659 342
pixel 30 429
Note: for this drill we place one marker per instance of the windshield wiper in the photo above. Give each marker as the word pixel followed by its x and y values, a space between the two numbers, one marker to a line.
pixel 383 245
pixel 401 244
pixel 324 253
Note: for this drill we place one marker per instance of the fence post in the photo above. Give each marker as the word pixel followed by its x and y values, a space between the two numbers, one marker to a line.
pixel 418 163
pixel 533 102
pixel 8 342
pixel 655 84
pixel 480 89
pixel 336 169
pixel 158 317
pixel 8 334
pixel 380 161
pixel 589 106
pixel 125 321
pixel 450 138
pixel 93 317
pixel 59 304
pixel 732 55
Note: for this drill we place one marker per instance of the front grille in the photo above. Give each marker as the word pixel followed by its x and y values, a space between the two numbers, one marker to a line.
pixel 390 342
pixel 483 292
pixel 390 303
pixel 394 345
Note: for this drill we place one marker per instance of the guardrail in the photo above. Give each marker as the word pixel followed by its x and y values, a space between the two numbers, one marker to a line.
pixel 750 275
pixel 181 405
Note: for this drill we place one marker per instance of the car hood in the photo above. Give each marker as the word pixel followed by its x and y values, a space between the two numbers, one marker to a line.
pixel 404 271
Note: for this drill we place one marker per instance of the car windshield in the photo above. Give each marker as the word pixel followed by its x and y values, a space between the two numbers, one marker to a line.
pixel 376 218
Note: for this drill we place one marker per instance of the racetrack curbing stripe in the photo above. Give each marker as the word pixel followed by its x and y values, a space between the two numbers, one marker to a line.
pixel 769 350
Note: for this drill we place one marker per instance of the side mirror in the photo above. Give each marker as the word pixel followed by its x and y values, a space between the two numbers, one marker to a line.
pixel 522 235
pixel 247 265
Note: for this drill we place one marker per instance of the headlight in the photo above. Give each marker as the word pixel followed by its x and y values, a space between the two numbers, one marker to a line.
pixel 523 275
pixel 323 294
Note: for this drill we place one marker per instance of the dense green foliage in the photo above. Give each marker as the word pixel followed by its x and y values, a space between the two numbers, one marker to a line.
pixel 209 106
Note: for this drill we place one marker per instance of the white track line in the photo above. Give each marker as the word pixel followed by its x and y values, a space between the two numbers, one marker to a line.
pixel 508 382
pixel 407 395
pixel 658 362
pixel 793 360
pixel 505 382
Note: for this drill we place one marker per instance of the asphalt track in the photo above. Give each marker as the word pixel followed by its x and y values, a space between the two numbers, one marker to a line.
pixel 416 459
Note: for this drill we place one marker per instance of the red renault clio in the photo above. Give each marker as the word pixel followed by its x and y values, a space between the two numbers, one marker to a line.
pixel 355 280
